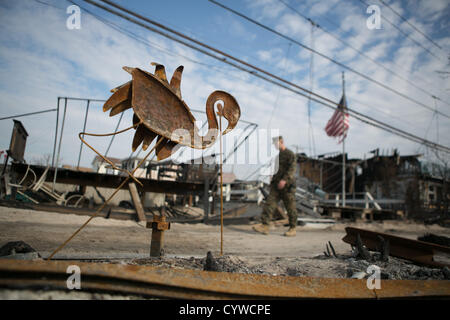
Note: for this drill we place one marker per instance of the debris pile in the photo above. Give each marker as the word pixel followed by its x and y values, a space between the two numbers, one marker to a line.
pixel 396 269
pixel 339 266
pixel 18 250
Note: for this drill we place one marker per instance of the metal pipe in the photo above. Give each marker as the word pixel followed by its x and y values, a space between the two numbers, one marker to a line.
pixel 59 146
pixel 112 139
pixel 27 114
pixel 84 130
pixel 56 133
pixel 82 99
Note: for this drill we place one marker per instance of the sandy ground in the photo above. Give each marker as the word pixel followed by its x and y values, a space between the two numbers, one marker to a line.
pixel 186 245
pixel 108 238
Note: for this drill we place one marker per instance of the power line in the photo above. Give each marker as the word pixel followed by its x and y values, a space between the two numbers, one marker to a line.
pixel 338 27
pixel 355 49
pixel 288 85
pixel 404 19
pixel 132 35
pixel 322 55
pixel 405 34
pixel 140 39
pixel 278 93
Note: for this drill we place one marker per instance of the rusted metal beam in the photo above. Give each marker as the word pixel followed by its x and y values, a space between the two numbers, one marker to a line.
pixel 414 250
pixel 198 284
pixel 158 225
pixel 108 180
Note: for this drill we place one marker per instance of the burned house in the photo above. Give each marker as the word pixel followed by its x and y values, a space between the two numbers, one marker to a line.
pixel 326 172
pixel 396 181
pixel 194 170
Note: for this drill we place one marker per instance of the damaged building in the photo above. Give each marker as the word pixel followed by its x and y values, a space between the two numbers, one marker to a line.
pixel 404 182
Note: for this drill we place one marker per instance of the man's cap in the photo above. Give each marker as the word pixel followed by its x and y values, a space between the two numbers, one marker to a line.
pixel 276 139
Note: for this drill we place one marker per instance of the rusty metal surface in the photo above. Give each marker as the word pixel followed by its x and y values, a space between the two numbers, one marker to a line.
pixel 18 141
pixel 159 111
pixel 197 284
pixel 414 250
pixel 158 225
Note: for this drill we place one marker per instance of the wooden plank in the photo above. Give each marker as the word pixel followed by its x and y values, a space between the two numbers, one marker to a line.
pixel 137 202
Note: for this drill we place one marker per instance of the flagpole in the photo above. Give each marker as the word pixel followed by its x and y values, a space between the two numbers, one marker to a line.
pixel 343 146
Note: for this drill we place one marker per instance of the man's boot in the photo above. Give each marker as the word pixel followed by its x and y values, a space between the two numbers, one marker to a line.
pixel 291 232
pixel 262 228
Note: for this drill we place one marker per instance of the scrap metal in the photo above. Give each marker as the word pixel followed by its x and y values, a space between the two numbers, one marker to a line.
pixel 160 113
pixel 414 250
pixel 94 179
pixel 158 226
pixel 198 284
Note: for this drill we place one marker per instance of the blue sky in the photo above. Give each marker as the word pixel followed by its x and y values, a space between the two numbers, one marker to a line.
pixel 40 59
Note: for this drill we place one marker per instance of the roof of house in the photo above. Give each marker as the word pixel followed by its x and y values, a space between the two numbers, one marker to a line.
pixel 113 160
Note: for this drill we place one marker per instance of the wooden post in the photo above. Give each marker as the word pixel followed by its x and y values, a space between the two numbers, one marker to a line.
pixel 137 202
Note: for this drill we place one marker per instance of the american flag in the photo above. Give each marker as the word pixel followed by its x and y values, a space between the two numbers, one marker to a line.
pixel 338 125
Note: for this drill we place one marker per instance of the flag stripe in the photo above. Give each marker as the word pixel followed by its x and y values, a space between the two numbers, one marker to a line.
pixel 339 123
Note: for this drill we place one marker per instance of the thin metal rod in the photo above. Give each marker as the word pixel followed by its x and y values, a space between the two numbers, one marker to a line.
pixel 59 146
pixel 112 138
pixel 105 203
pixel 103 157
pixel 221 185
pixel 110 143
pixel 56 133
pixel 82 99
pixel 28 114
pixel 84 130
pixel 343 142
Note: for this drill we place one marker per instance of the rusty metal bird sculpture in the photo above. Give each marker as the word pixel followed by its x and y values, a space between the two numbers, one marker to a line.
pixel 160 113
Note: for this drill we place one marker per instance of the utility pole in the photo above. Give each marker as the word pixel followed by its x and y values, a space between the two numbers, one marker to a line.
pixel 343 144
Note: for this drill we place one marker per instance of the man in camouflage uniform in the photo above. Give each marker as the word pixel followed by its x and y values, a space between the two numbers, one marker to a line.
pixel 282 187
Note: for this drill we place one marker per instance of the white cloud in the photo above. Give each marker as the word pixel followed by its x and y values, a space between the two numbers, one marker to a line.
pixel 40 61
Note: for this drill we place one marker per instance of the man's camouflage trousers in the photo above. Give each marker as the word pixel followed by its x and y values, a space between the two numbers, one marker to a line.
pixel 287 194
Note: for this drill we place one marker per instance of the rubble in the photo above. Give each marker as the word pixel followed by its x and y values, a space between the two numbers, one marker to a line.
pixel 397 269
pixel 341 266
pixel 18 250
